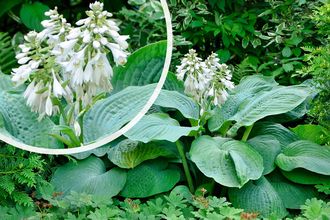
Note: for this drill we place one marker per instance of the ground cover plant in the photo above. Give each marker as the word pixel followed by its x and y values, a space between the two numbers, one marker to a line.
pixel 240 129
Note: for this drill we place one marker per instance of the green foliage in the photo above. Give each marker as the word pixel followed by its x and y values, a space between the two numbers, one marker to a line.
pixel 167 129
pixel 229 162
pixel 38 10
pixel 176 205
pixel 19 175
pixel 143 67
pixel 129 154
pixel 150 178
pixel 89 176
pixel 21 123
pixel 315 209
pixel 7 55
pixel 145 24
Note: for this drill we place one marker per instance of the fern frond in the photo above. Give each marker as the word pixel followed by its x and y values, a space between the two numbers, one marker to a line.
pixel 7 53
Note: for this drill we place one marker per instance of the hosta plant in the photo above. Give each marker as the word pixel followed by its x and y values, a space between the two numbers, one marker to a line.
pixel 236 141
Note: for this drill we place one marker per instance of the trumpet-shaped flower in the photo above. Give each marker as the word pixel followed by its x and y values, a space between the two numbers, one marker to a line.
pixel 206 81
pixel 84 53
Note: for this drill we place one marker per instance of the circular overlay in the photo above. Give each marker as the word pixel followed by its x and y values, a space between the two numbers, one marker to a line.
pixel 129 125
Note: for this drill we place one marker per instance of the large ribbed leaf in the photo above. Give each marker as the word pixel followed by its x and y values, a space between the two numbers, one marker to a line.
pixel 176 100
pixel 277 101
pixel 293 195
pixel 89 176
pixel 258 196
pixel 110 114
pixel 129 154
pixel 150 178
pixel 307 155
pixel 100 151
pixel 158 126
pixel 282 134
pixel 268 147
pixel 303 176
pixel 255 81
pixel 229 162
pixel 248 88
pixel 143 67
pixel 23 125
pixel 6 84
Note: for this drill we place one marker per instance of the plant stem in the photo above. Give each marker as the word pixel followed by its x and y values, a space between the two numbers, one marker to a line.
pixel 63 113
pixel 80 121
pixel 247 133
pixel 180 148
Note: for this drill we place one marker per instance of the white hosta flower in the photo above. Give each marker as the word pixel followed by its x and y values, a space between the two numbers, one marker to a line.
pixel 39 100
pixel 55 28
pixel 84 53
pixel 205 80
pixel 77 128
pixel 58 90
pixel 221 80
pixel 69 62
pixel 193 71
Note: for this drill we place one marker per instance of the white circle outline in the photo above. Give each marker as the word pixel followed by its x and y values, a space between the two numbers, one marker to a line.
pixel 129 125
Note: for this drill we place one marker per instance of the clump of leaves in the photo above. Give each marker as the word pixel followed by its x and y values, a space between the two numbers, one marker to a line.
pixel 19 174
pixel 315 209
pixel 318 66
pixel 179 204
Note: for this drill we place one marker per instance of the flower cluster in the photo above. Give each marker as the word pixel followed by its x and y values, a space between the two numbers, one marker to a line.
pixel 38 67
pixel 69 62
pixel 84 53
pixel 205 80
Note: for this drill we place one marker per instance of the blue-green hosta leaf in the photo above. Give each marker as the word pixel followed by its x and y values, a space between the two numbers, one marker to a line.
pixel 143 67
pixel 229 162
pixel 6 84
pixel 129 154
pixel 293 195
pixel 282 134
pixel 268 147
pixel 248 88
pixel 255 81
pixel 303 176
pixel 181 102
pixel 109 115
pixel 100 151
pixel 276 101
pixel 158 126
pixel 258 196
pixel 89 176
pixel 150 178
pixel 307 155
pixel 23 125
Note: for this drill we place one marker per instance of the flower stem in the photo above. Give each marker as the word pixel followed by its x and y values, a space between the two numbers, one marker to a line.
pixel 247 133
pixel 180 148
pixel 62 112
pixel 81 123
